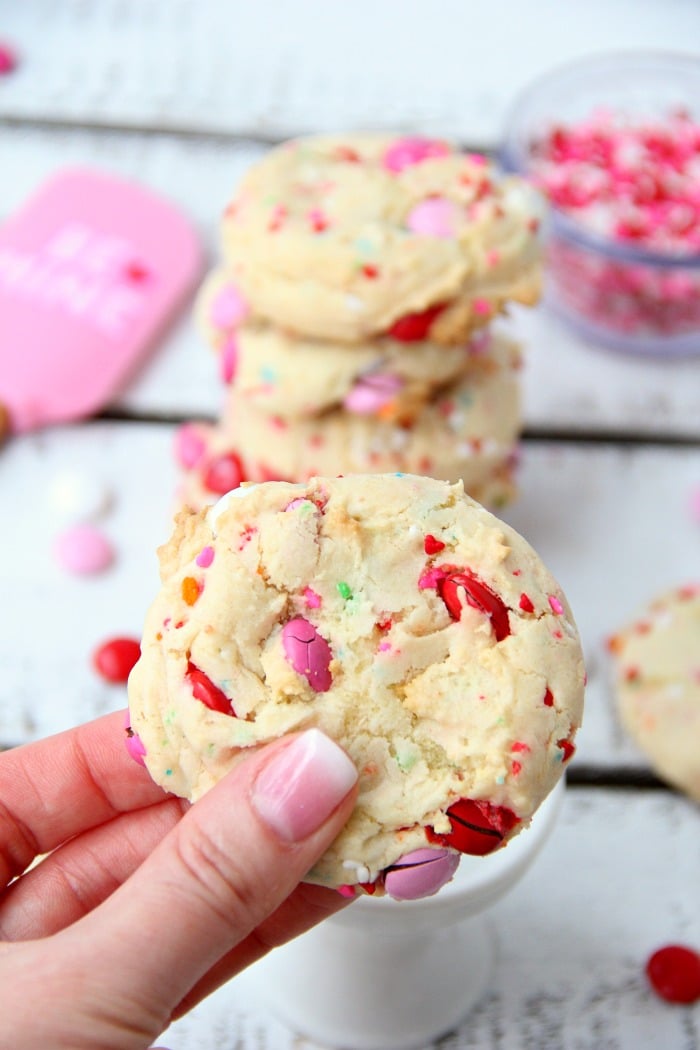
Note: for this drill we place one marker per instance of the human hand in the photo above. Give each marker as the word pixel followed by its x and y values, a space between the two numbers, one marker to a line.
pixel 146 904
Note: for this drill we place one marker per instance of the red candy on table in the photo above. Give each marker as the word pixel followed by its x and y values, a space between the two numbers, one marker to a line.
pixel 478 827
pixel 8 59
pixel 479 596
pixel 674 973
pixel 210 695
pixel 114 659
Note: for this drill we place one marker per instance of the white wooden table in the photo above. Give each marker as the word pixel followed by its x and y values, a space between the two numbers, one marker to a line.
pixel 183 96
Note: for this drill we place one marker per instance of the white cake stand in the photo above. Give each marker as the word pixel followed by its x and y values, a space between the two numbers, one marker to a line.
pixel 384 975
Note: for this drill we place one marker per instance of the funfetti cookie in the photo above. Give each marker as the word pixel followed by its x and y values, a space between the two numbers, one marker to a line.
pixel 221 465
pixel 467 432
pixel 657 683
pixel 293 377
pixel 348 238
pixel 396 615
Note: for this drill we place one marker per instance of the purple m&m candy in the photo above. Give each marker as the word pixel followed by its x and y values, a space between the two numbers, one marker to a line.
pixel 420 873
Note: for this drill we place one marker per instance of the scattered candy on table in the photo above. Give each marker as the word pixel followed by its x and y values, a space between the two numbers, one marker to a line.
pixel 83 550
pixel 115 658
pixel 8 59
pixel 674 973
pixel 78 496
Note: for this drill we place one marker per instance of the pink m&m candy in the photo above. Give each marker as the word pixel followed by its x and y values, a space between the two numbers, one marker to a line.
pixel 405 152
pixel 228 308
pixel 420 873
pixel 435 217
pixel 134 743
pixel 308 653
pixel 371 393
pixel 84 549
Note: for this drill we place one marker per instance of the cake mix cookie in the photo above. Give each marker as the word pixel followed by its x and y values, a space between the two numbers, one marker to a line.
pixel 657 681
pixel 466 432
pixel 291 376
pixel 400 618
pixel 348 238
pixel 221 466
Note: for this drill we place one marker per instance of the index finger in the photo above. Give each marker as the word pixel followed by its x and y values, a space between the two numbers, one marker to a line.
pixel 56 788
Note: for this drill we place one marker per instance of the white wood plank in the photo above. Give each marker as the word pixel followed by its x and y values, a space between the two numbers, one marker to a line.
pixel 567 384
pixel 46 642
pixel 617 879
pixel 611 524
pixel 614 526
pixel 278 69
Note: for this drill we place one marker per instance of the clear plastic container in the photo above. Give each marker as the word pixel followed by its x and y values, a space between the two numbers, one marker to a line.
pixel 613 293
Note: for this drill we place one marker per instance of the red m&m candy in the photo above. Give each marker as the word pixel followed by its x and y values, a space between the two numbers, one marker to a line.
pixel 204 689
pixel 674 973
pixel 114 659
pixel 414 328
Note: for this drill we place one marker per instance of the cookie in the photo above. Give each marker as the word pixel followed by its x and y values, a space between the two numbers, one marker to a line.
pixel 396 615
pixel 291 376
pixel 466 433
pixel 657 684
pixel 350 238
pixel 220 466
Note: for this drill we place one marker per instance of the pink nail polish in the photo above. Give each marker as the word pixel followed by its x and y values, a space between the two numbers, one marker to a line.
pixel 301 786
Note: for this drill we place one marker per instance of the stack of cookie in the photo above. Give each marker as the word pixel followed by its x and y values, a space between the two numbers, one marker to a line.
pixel 351 313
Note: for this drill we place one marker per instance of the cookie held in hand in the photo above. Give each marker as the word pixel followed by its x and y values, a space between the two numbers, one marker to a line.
pixel 399 617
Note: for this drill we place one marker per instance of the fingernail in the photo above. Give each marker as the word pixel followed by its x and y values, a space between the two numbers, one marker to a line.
pixel 301 786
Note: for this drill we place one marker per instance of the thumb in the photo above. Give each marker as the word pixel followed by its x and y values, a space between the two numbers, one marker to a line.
pixel 230 862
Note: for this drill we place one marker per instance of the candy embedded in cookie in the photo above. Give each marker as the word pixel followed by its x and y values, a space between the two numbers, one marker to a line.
pixel 386 611
pixel 410 239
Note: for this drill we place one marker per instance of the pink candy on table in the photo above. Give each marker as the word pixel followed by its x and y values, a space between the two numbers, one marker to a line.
pixel 8 59
pixel 83 549
pixel 420 873
pixel 308 653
